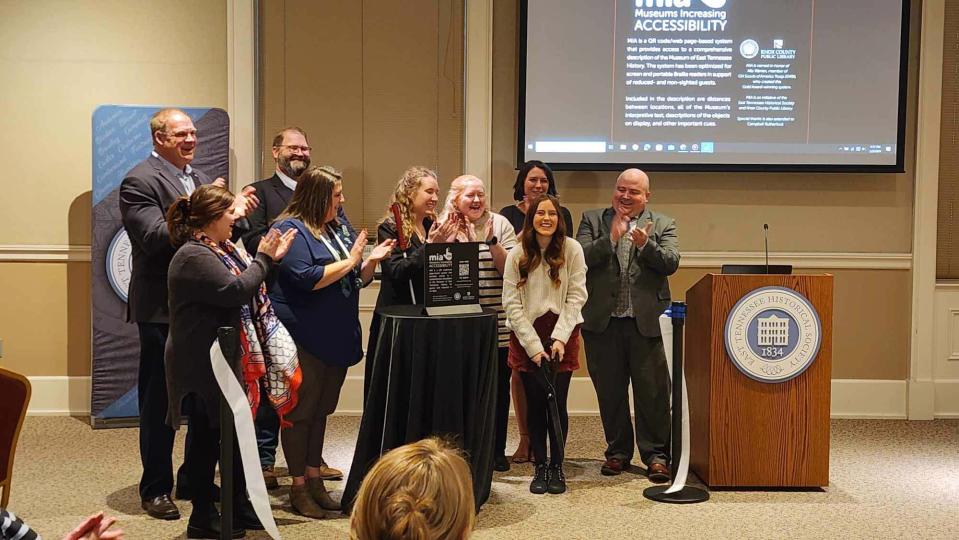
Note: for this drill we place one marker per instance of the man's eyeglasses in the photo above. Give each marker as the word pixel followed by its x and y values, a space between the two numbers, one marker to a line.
pixel 180 135
pixel 296 147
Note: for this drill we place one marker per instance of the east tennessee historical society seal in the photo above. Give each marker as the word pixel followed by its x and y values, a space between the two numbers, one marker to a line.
pixel 773 334
pixel 119 263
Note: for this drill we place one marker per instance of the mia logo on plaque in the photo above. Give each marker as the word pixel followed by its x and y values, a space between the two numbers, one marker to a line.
pixel 773 334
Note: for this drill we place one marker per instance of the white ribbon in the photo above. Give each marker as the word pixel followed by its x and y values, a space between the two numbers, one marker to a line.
pixel 682 471
pixel 245 438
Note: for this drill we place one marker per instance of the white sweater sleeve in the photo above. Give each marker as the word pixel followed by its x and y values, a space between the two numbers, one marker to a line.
pixel 513 305
pixel 503 229
pixel 572 310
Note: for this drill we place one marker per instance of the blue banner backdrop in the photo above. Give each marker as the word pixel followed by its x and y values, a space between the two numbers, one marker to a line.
pixel 121 139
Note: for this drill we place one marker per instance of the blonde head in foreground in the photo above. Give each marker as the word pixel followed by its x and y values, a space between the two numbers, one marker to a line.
pixel 419 491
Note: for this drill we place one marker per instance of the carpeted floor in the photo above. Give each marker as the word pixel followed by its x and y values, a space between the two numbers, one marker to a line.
pixel 889 479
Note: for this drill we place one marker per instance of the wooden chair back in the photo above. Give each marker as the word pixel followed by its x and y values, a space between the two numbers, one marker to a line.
pixel 14 398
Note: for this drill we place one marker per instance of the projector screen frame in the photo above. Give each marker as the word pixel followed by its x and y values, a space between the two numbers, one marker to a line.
pixel 898 167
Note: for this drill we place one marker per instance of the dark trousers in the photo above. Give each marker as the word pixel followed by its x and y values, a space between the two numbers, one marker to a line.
pixel 538 415
pixel 616 357
pixel 319 394
pixel 156 437
pixel 202 466
pixel 267 424
pixel 503 374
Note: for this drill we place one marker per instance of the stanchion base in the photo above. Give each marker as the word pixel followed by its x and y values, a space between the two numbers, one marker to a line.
pixel 687 495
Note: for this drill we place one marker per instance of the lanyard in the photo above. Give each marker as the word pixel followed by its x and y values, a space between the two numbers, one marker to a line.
pixel 338 255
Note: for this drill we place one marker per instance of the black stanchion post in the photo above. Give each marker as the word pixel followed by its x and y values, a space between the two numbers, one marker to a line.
pixel 689 494
pixel 229 344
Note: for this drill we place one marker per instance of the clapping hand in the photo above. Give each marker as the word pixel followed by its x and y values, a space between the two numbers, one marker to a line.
pixel 220 182
pixel 487 234
pixel 640 235
pixel 95 527
pixel 245 202
pixel 446 231
pixel 275 245
pixel 618 227
pixel 382 250
pixel 356 252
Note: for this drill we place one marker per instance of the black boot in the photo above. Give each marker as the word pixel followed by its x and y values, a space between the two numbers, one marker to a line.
pixel 205 523
pixel 557 480
pixel 244 516
pixel 540 481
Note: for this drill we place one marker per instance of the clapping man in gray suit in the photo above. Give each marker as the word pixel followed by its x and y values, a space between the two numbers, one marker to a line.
pixel 630 251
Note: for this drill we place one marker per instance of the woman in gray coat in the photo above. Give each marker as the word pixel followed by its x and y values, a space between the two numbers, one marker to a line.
pixel 213 284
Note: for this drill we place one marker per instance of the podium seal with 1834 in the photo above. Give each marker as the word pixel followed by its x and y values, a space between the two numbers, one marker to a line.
pixel 773 334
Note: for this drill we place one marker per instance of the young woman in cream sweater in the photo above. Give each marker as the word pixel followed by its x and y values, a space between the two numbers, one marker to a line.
pixel 544 289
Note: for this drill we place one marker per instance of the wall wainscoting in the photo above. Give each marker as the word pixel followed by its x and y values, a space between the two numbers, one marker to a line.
pixel 691 259
pixel 63 396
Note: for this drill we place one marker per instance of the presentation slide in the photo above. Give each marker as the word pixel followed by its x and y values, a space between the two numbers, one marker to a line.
pixel 703 84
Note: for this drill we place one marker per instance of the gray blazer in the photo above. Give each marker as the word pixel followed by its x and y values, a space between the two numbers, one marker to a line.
pixel 648 270
pixel 145 194
pixel 204 295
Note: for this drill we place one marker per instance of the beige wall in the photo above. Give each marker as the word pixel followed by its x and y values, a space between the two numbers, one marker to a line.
pixel 806 213
pixel 61 60
pixel 61 63
pixel 378 86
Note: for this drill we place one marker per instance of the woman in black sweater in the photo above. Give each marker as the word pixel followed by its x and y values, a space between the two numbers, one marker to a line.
pixel 401 283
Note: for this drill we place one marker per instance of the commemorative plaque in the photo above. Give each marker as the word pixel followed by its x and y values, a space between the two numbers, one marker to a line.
pixel 451 278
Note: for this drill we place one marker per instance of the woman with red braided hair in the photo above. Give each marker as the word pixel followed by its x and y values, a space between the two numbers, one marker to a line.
pixel 419 491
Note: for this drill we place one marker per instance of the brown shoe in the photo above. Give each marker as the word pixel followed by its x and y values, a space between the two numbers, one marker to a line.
pixel 269 478
pixel 303 503
pixel 614 467
pixel 329 473
pixel 321 495
pixel 161 507
pixel 657 473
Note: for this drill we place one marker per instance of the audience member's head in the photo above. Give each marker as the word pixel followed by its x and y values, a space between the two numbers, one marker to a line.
pixel 420 491
pixel 207 209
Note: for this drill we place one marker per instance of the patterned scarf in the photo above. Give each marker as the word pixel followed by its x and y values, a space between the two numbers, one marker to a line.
pixel 266 347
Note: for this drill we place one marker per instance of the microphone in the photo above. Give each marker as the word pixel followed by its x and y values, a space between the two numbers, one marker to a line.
pixel 766 238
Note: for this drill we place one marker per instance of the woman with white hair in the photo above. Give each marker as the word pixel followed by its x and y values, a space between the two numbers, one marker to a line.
pixel 467 210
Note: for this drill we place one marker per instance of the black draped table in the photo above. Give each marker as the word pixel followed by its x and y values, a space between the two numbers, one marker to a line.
pixel 430 376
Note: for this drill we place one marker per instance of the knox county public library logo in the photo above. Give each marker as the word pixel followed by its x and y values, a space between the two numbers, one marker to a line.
pixel 773 334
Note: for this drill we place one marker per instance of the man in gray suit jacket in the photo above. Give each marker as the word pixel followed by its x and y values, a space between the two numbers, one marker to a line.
pixel 630 251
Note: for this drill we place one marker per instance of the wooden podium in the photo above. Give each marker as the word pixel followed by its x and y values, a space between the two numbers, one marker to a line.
pixel 745 432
